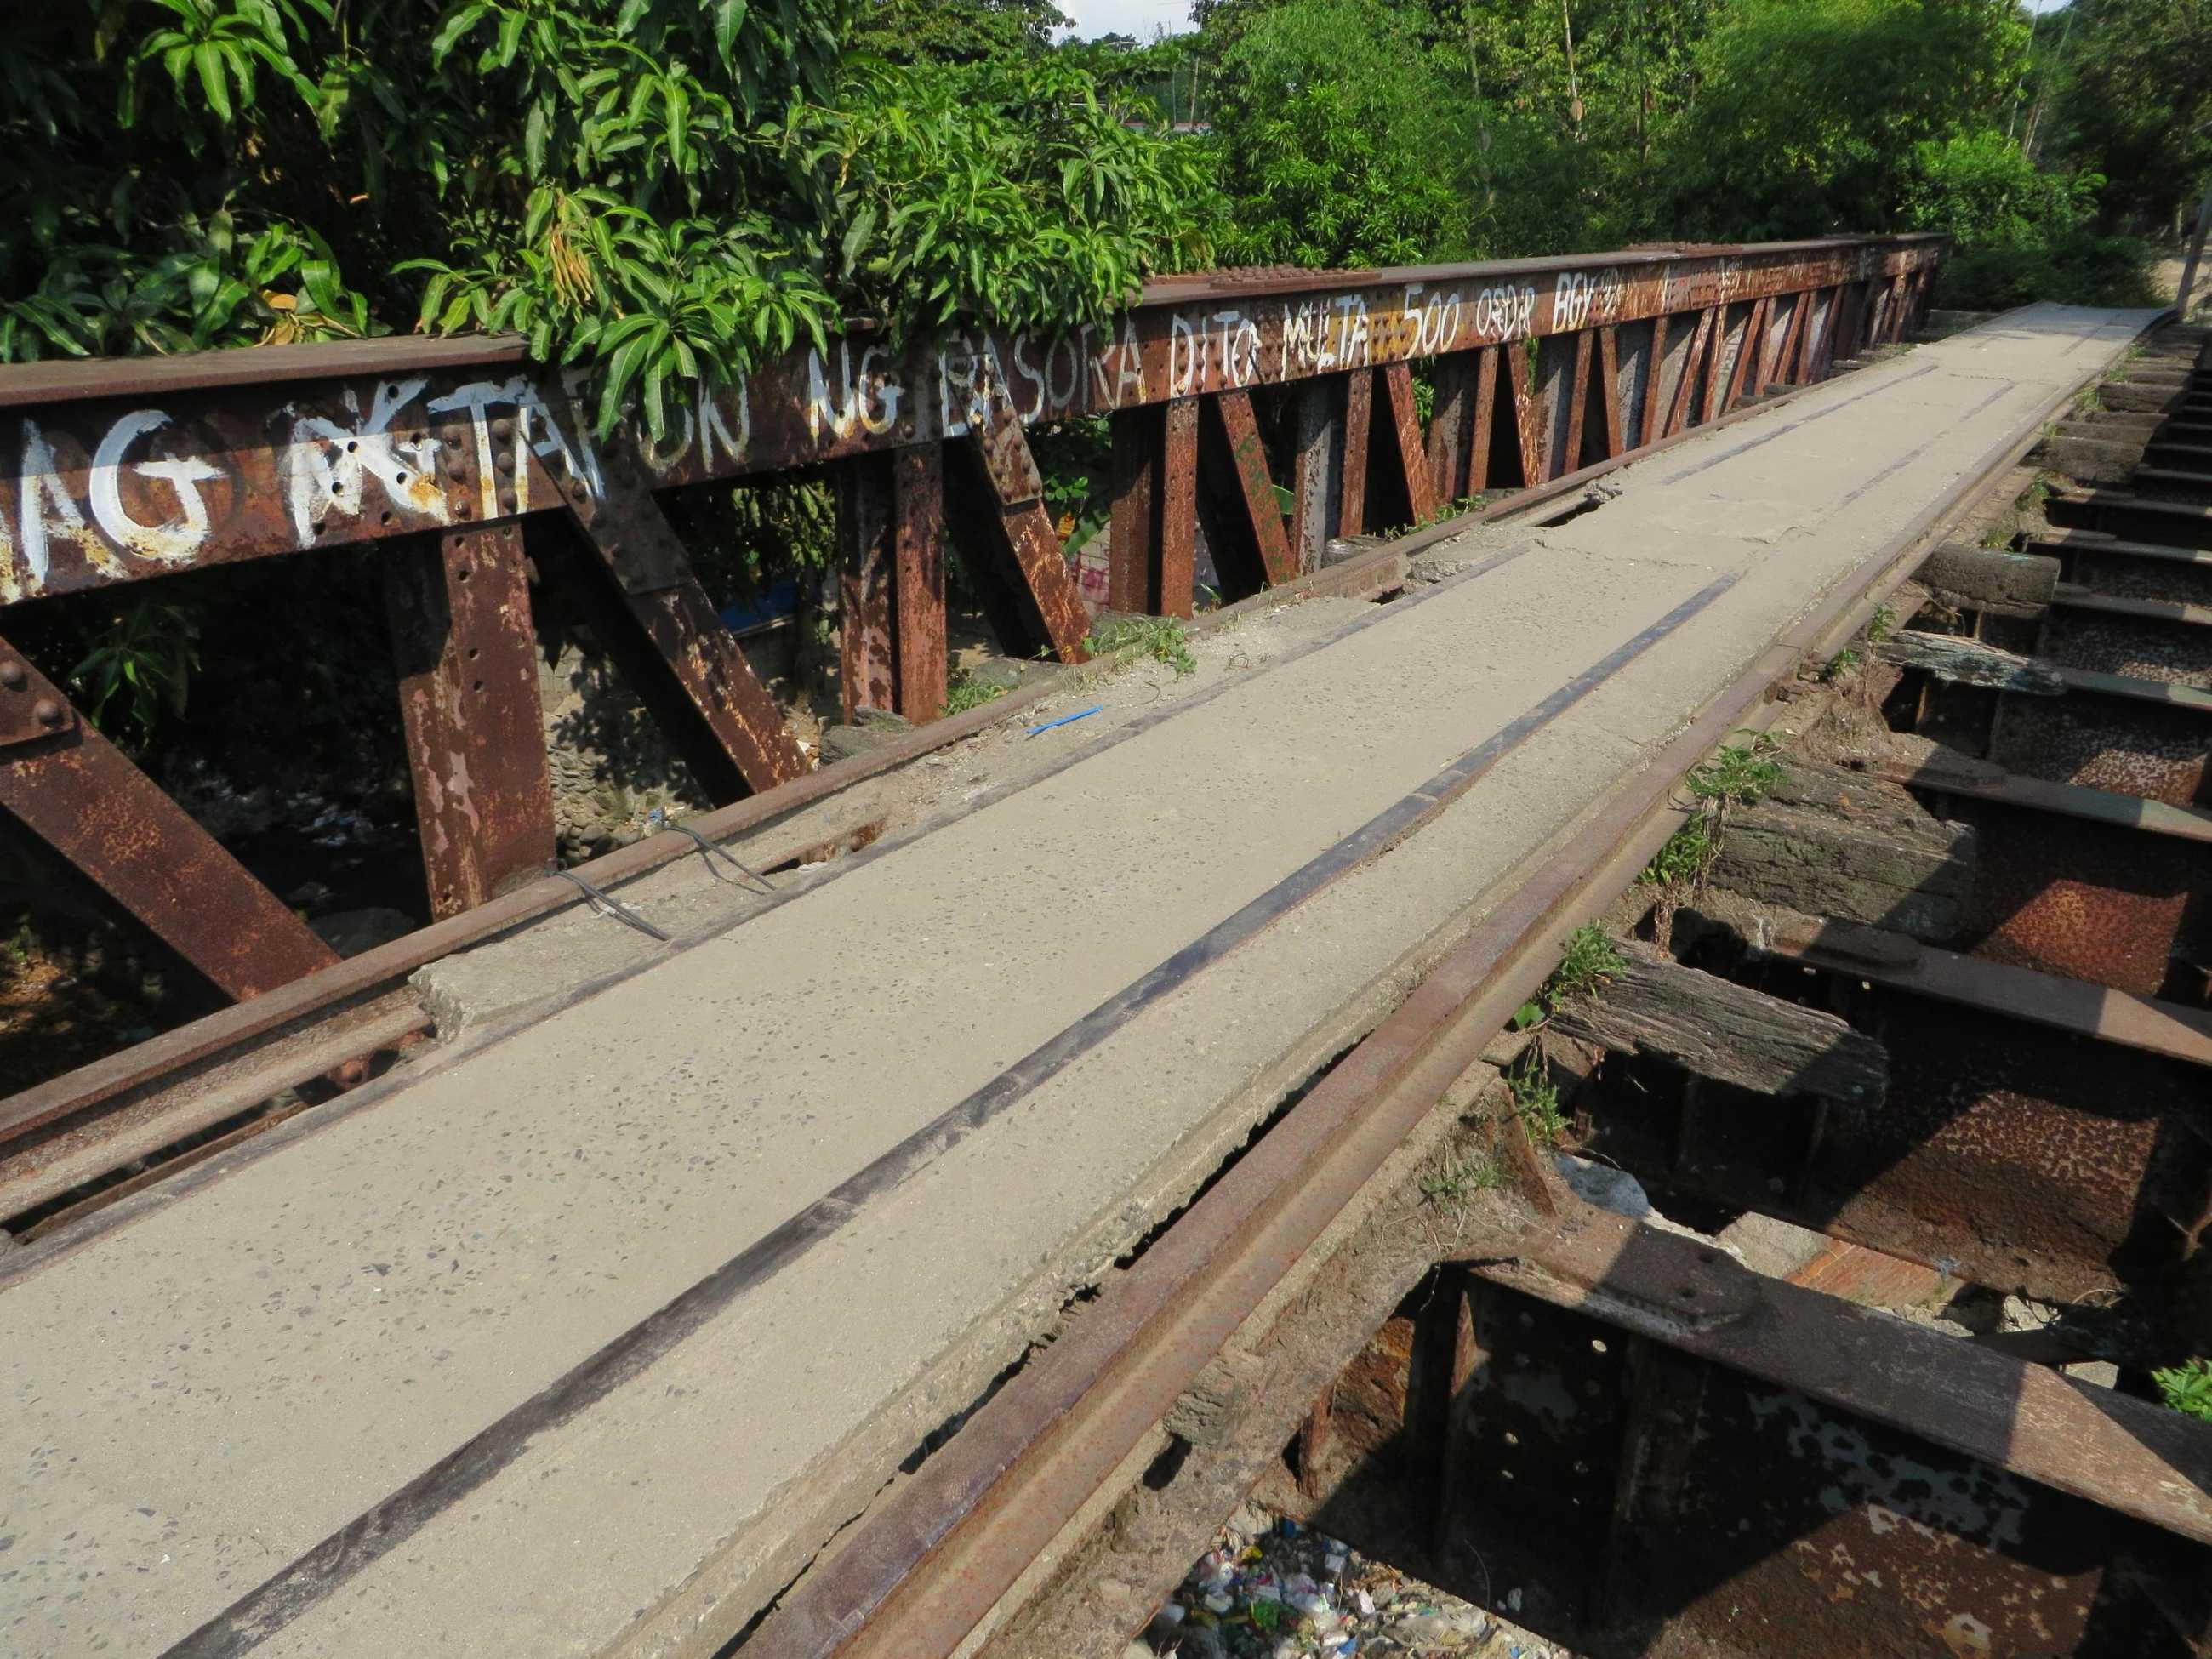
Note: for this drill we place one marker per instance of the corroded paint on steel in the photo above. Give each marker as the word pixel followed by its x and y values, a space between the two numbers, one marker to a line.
pixel 2083 900
pixel 865 576
pixel 80 794
pixel 1255 485
pixel 1358 415
pixel 918 579
pixel 466 655
pixel 1179 511
pixel 1043 589
pixel 2101 743
pixel 623 524
pixel 2022 1154
pixel 98 490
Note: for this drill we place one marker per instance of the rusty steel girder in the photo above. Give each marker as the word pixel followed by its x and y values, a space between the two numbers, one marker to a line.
pixel 115 471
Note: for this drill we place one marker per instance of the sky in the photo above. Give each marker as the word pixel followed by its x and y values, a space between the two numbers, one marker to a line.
pixel 1138 17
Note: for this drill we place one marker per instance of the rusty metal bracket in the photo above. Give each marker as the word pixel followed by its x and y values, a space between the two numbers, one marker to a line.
pixel 627 526
pixel 29 707
pixel 1005 452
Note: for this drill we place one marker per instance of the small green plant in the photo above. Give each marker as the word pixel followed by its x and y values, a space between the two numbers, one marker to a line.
pixel 1160 638
pixel 1738 775
pixel 1842 666
pixel 1591 958
pixel 1536 1101
pixel 1882 624
pixel 1456 1181
pixel 1683 861
pixel 140 667
pixel 2187 1388
pixel 966 690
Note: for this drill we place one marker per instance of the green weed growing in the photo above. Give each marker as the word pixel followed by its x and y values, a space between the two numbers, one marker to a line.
pixel 1160 638
pixel 2187 1388
pixel 1738 775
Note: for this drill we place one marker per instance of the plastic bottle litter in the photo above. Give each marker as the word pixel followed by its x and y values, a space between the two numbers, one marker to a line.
pixel 1274 1590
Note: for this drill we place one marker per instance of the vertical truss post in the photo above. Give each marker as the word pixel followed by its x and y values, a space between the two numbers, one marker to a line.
pixel 1317 447
pixel 891 576
pixel 1358 414
pixel 1486 416
pixel 1179 511
pixel 1448 449
pixel 467 659
pixel 1154 550
pixel 1139 445
pixel 77 791
pixel 867 575
pixel 918 580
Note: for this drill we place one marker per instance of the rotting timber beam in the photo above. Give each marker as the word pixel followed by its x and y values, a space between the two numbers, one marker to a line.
pixel 1711 1027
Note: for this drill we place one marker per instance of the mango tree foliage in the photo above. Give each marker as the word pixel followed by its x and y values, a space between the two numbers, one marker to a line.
pixel 2133 95
pixel 1808 111
pixel 956 31
pixel 1337 144
pixel 665 190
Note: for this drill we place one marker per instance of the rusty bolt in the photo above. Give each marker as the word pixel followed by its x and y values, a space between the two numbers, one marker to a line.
pixel 502 428
pixel 12 674
pixel 576 488
pixel 465 509
pixel 47 712
pixel 504 461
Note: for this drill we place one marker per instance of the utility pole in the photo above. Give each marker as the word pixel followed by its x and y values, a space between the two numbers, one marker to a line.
pixel 2195 253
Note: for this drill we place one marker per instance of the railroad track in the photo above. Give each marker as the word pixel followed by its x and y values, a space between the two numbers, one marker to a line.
pixel 1984 933
pixel 1929 980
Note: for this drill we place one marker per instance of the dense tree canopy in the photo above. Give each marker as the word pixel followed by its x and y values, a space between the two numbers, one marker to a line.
pixel 1500 127
pixel 667 188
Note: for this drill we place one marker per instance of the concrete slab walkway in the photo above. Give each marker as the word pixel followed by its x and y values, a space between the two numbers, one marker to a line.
pixel 396 1382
